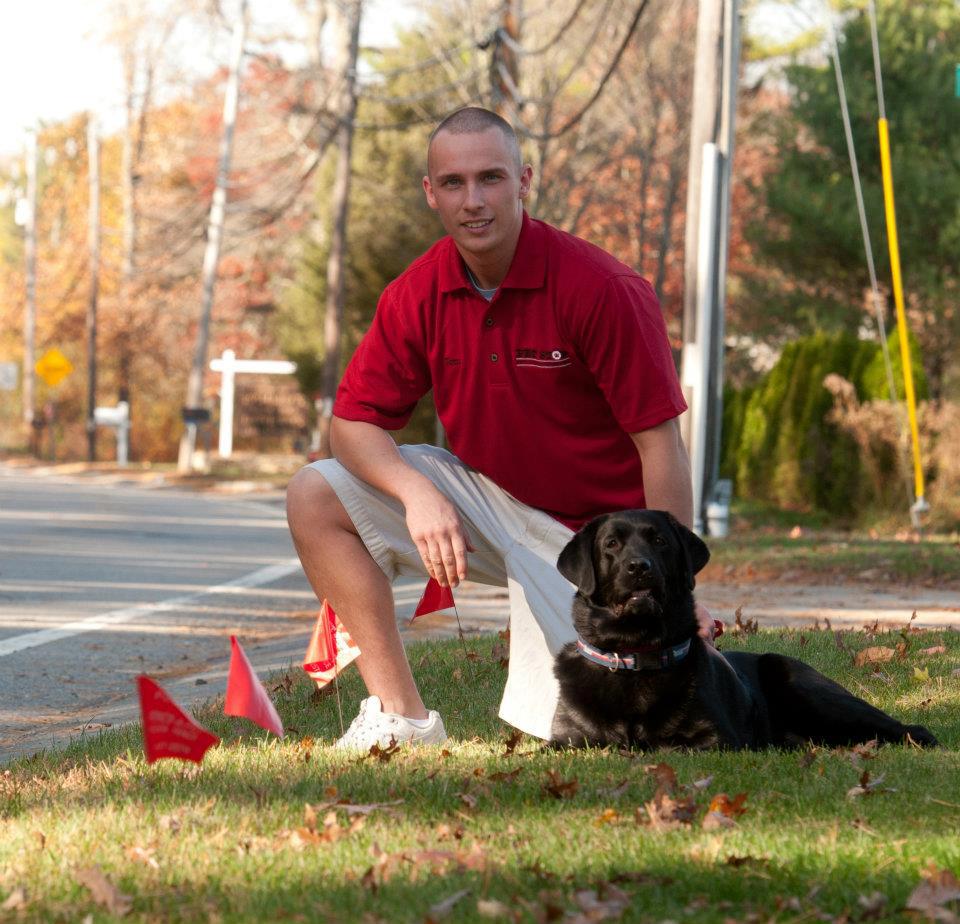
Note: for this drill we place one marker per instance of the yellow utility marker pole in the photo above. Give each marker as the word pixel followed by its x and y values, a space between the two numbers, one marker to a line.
pixel 920 504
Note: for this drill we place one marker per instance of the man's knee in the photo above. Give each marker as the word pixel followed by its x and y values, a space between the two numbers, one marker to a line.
pixel 313 505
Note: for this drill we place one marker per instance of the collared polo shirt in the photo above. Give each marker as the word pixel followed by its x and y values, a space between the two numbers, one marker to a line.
pixel 539 388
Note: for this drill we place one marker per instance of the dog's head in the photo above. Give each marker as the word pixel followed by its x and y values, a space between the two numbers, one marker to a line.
pixel 635 566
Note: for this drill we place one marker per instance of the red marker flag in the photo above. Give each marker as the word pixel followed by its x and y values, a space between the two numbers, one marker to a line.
pixel 245 694
pixel 331 649
pixel 167 730
pixel 434 598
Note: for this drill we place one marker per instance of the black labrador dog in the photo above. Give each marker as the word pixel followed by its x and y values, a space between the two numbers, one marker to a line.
pixel 639 675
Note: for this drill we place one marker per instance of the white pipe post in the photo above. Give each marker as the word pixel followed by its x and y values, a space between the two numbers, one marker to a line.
pixel 696 354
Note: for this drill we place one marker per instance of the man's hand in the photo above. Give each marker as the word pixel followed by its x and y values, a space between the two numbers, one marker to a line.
pixel 705 627
pixel 438 532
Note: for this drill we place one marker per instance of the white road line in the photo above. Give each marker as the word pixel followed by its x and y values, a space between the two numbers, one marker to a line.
pixel 52 516
pixel 114 617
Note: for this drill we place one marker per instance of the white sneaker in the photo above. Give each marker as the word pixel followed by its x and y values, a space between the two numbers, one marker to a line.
pixel 374 726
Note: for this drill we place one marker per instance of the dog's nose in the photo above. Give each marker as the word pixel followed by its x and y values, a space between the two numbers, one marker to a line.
pixel 638 566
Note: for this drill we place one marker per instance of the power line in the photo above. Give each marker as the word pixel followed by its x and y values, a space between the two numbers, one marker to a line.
pixel 517 48
pixel 575 119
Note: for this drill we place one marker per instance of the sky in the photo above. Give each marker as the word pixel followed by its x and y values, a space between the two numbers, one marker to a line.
pixel 54 63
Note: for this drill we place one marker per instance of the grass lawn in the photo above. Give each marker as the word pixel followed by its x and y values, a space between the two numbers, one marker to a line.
pixel 765 542
pixel 493 828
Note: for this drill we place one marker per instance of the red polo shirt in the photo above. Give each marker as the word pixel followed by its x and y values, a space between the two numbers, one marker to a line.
pixel 538 388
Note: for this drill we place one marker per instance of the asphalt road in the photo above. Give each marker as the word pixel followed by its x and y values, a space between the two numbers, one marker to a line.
pixel 101 581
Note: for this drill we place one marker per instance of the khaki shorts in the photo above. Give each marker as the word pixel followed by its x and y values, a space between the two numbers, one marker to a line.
pixel 516 547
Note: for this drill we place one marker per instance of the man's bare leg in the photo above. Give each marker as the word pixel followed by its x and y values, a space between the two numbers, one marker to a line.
pixel 340 568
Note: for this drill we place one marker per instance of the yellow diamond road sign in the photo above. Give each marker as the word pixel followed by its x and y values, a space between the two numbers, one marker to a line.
pixel 53 367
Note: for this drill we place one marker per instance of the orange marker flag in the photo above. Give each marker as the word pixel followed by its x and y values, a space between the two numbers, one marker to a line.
pixel 246 696
pixel 331 649
pixel 434 598
pixel 167 730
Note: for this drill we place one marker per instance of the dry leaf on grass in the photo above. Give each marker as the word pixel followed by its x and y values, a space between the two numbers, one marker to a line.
pixel 750 627
pixel 342 805
pixel 606 903
pixel 939 887
pixel 16 899
pixel 512 742
pixel 560 788
pixel 663 812
pixel 384 755
pixel 717 821
pixel 724 805
pixel 933 651
pixel 505 776
pixel 665 776
pixel 142 855
pixel 876 654
pixel 868 787
pixel 441 910
pixel 104 892
pixel 492 908
pixel 921 675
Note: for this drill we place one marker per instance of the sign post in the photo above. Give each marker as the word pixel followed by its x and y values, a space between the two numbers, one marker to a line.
pixel 228 366
pixel 119 418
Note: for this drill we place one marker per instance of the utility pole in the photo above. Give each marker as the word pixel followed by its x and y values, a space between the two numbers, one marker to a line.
pixel 716 73
pixel 211 256
pixel 93 236
pixel 30 254
pixel 348 15
pixel 504 63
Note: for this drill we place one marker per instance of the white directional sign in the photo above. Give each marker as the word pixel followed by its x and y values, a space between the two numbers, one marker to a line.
pixel 228 366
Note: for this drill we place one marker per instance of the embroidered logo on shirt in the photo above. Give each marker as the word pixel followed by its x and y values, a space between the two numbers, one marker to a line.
pixel 542 359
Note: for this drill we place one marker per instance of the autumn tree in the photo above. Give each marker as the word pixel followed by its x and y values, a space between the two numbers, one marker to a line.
pixel 808 233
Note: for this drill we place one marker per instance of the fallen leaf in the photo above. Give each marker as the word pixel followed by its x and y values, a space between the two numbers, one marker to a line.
pixel 939 887
pixel 104 892
pixel 606 903
pixel 560 788
pixel 505 776
pixel 16 899
pixel 665 776
pixel 705 783
pixel 750 627
pixel 608 816
pixel 492 908
pixel 384 755
pixel 868 787
pixel 512 742
pixel 921 675
pixel 468 799
pixel 874 655
pixel 717 821
pixel 723 804
pixel 352 809
pixel 142 855
pixel 664 813
pixel 865 751
pixel 442 910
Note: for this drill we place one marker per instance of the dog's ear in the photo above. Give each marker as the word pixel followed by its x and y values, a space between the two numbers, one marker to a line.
pixel 576 560
pixel 695 550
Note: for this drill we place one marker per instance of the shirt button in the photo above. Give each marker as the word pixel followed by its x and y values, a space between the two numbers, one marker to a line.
pixel 489 322
pixel 493 357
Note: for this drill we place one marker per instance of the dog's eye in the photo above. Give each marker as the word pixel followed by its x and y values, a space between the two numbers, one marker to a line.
pixel 612 543
pixel 659 540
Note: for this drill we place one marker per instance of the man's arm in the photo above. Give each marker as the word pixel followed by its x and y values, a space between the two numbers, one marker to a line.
pixel 370 453
pixel 666 470
pixel 667 485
